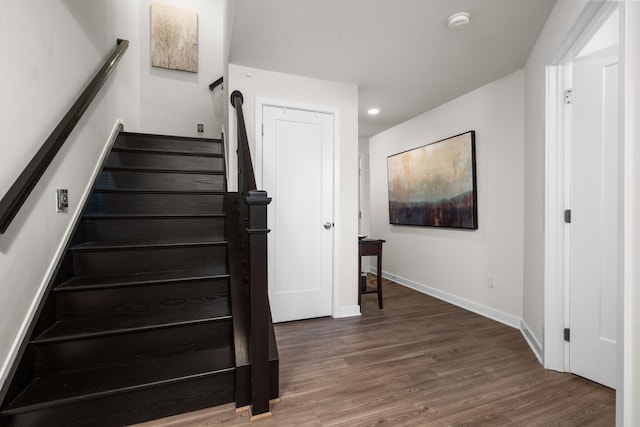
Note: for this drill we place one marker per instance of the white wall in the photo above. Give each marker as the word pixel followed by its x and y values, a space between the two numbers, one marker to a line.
pixel 261 83
pixel 454 264
pixel 560 20
pixel 174 102
pixel 365 193
pixel 228 13
pixel 122 20
pixel 50 52
pixel 365 196
pixel 607 36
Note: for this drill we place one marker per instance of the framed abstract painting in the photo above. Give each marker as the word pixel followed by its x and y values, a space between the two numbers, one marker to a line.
pixel 435 185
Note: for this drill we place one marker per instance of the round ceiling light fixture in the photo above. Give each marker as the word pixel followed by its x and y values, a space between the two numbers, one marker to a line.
pixel 373 111
pixel 458 20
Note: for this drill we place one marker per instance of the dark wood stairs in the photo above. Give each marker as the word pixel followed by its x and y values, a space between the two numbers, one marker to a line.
pixel 137 324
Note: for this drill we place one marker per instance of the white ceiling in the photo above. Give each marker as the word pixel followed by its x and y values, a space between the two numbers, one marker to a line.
pixel 400 53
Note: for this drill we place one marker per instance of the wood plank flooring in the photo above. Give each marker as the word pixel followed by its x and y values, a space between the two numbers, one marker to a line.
pixel 418 362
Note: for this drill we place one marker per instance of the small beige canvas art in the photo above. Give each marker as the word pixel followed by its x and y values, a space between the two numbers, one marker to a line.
pixel 174 38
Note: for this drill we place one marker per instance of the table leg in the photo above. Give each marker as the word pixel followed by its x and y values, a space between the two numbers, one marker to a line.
pixel 380 277
pixel 359 273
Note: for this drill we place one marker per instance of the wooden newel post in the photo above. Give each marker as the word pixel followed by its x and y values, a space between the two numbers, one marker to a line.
pixel 257 231
pixel 253 214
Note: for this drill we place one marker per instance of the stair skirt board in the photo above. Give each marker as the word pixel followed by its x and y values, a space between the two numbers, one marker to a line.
pixel 136 323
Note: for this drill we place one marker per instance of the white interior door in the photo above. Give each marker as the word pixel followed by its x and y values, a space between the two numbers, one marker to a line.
pixel 297 171
pixel 595 236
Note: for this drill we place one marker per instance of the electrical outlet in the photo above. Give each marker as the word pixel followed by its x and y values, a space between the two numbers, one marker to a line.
pixel 200 128
pixel 491 280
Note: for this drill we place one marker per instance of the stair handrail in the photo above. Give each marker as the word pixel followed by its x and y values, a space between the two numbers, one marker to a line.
pixel 253 217
pixel 217 83
pixel 27 180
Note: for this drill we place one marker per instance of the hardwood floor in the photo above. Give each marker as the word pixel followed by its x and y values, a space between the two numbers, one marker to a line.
pixel 418 362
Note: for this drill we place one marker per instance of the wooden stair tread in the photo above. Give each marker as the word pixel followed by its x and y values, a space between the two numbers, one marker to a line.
pixel 97 282
pixel 151 215
pixel 155 191
pixel 124 376
pixel 191 311
pixel 166 151
pixel 153 136
pixel 99 246
pixel 143 169
pixel 161 142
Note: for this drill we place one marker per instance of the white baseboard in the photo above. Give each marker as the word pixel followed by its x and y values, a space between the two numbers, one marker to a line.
pixel 535 346
pixel 348 311
pixel 491 313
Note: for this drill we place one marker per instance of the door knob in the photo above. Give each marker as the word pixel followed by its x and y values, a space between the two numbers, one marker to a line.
pixel 328 225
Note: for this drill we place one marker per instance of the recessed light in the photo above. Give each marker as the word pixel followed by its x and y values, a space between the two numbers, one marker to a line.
pixel 373 111
pixel 458 20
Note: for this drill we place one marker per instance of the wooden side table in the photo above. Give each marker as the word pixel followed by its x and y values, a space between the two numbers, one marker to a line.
pixel 370 247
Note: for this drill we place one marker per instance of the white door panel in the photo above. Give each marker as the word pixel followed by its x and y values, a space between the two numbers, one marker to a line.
pixel 595 241
pixel 297 171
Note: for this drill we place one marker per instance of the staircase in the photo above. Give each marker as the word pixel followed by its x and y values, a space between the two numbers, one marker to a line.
pixel 137 324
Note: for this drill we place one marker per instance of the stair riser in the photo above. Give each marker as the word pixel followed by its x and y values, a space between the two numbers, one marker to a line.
pixel 134 406
pixel 147 229
pixel 160 181
pixel 145 203
pixel 165 161
pixel 188 296
pixel 103 350
pixel 131 261
pixel 160 143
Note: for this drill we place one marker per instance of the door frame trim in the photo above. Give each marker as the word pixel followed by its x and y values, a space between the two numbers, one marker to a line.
pixel 261 102
pixel 557 136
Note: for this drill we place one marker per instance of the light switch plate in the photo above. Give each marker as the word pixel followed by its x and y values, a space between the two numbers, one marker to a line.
pixel 62 198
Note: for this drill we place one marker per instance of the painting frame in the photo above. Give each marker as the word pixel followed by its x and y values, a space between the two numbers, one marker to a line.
pixel 435 185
